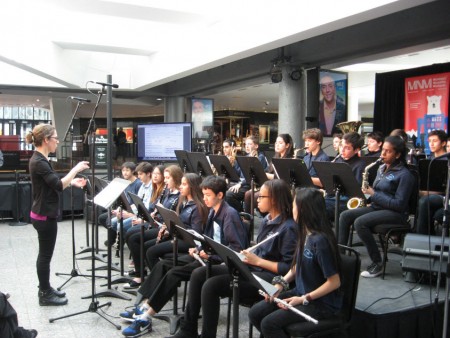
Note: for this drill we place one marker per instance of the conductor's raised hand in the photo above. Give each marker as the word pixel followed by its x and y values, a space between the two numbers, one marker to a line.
pixel 83 165
pixel 78 182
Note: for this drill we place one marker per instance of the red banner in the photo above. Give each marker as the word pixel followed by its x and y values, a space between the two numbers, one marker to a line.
pixel 426 105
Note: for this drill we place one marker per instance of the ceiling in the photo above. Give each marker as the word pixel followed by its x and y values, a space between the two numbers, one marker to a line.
pixel 156 49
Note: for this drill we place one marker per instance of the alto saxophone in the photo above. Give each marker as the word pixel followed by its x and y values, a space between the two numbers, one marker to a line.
pixel 356 202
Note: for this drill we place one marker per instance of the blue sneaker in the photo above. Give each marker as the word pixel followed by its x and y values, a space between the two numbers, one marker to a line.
pixel 135 328
pixel 130 314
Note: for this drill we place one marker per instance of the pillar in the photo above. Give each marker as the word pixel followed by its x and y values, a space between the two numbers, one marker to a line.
pixel 292 106
pixel 174 109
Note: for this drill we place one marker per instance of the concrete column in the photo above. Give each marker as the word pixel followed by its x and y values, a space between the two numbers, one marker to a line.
pixel 292 106
pixel 174 109
pixel 61 111
pixel 352 107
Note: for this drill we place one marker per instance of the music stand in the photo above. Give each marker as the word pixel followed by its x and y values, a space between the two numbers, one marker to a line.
pixel 200 164
pixel 104 198
pixel 142 212
pixel 183 161
pixel 238 270
pixel 338 178
pixel 253 172
pixel 437 174
pixel 293 171
pixel 171 219
pixel 123 203
pixel 224 168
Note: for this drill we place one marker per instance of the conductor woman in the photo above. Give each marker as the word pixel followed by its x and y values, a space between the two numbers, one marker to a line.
pixel 46 187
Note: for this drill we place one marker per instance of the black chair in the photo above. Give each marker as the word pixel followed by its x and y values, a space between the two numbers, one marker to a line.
pixel 350 269
pixel 389 231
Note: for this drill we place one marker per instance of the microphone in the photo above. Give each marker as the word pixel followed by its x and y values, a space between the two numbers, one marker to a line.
pixel 81 99
pixel 107 84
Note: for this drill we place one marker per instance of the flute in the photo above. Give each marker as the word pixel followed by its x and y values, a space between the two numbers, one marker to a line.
pixel 197 257
pixel 290 307
pixel 262 242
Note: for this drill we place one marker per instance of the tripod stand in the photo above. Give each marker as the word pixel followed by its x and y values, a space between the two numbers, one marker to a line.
pixel 94 306
pixel 74 273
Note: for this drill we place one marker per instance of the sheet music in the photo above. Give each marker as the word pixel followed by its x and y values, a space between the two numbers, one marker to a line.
pixel 111 193
pixel 268 288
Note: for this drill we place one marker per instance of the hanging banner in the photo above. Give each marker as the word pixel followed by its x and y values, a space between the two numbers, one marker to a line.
pixel 426 105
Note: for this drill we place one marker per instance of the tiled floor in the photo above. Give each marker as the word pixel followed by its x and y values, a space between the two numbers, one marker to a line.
pixel 18 251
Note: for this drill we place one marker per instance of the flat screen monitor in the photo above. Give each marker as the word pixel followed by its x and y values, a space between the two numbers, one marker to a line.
pixel 158 141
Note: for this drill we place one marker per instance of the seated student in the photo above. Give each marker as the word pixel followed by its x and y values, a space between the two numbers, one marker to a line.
pixel 374 144
pixel 9 325
pixel 351 146
pixel 389 199
pixel 236 194
pixel 154 238
pixel 337 138
pixel 431 201
pixel 223 225
pixel 315 271
pixel 236 190
pixel 268 260
pixel 284 148
pixel 313 142
pixel 128 173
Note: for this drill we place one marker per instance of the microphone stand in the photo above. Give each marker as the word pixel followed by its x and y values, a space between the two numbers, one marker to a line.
pixel 74 272
pixel 94 306
pixel 445 228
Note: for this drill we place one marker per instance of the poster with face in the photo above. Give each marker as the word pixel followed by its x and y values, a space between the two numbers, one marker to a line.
pixel 202 117
pixel 333 87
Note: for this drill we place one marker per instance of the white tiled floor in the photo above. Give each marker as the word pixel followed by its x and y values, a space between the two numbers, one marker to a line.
pixel 18 251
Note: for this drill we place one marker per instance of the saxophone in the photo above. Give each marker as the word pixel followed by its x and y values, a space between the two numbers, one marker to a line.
pixel 356 202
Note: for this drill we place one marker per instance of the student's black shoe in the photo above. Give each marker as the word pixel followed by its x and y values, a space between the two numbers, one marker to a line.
pixel 48 298
pixel 58 293
pixel 24 333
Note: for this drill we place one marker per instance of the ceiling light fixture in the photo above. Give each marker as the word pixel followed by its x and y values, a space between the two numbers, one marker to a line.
pixel 296 74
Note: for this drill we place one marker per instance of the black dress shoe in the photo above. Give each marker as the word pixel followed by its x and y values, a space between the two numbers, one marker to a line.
pixel 48 298
pixel 60 294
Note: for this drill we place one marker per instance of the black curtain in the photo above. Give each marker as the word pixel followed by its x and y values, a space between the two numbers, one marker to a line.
pixel 389 108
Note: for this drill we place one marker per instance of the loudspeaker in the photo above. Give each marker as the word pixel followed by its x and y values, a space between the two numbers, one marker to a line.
pixel 421 253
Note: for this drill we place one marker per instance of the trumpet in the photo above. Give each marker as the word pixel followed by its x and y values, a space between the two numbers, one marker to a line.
pixel 356 202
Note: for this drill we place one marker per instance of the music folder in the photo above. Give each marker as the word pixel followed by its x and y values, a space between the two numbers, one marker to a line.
pixel 193 238
pixel 234 261
pixel 111 192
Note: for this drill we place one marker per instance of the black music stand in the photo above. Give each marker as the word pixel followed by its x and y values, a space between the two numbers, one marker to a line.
pixel 238 270
pixel 104 198
pixel 224 168
pixel 432 177
pixel 200 164
pixel 171 219
pixel 107 196
pixel 183 161
pixel 145 215
pixel 338 178
pixel 123 203
pixel 293 171
pixel 253 172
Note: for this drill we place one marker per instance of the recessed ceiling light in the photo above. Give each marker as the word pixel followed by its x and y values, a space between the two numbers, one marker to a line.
pixel 158 99
pixel 37 100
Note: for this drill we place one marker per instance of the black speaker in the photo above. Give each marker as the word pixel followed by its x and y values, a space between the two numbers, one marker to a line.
pixel 421 253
